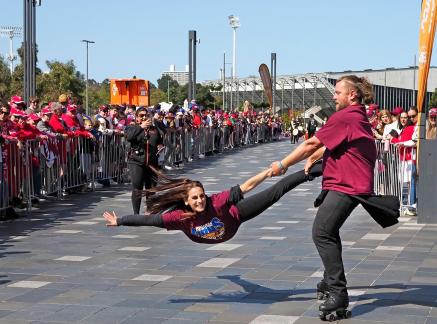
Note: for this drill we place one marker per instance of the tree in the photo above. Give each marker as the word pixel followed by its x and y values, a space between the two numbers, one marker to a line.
pixel 98 93
pixel 5 80
pixel 433 100
pixel 204 96
pixel 17 81
pixel 61 78
pixel 166 82
pixel 181 94
pixel 157 96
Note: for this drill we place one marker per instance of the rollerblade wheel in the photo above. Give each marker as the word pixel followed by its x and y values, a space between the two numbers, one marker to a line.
pixel 331 317
pixel 320 295
pixel 342 314
pixel 322 316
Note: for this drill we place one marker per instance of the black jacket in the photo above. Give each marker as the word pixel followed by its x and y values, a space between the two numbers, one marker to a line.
pixel 383 209
pixel 143 145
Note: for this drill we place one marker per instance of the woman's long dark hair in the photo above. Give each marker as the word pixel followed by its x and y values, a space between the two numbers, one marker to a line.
pixel 168 192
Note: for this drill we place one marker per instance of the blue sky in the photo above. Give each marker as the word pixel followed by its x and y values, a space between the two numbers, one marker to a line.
pixel 142 37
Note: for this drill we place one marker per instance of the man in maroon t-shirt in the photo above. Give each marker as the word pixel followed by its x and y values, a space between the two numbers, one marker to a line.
pixel 349 155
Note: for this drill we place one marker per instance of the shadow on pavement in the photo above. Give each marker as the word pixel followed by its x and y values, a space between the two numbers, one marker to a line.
pixel 399 294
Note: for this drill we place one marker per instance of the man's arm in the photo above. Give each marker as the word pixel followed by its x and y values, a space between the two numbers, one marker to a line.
pixel 317 155
pixel 303 151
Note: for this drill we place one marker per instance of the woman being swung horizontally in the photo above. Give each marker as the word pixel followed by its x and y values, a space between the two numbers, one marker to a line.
pixel 181 204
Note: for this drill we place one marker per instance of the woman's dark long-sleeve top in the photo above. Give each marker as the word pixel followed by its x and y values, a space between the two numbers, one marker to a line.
pixel 143 144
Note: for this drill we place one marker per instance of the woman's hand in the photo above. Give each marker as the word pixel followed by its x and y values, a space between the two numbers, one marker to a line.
pixel 111 219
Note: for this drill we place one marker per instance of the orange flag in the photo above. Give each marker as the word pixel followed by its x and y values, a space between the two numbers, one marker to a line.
pixel 426 41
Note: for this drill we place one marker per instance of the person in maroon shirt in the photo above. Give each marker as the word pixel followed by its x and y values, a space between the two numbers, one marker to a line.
pixel 349 155
pixel 181 204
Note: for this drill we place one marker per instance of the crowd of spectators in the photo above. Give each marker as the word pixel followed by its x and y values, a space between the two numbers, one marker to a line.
pixel 399 128
pixel 64 119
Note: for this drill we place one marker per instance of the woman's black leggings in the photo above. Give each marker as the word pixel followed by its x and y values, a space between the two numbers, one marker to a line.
pixel 254 205
pixel 141 177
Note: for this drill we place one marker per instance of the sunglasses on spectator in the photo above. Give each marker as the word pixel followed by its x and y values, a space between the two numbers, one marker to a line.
pixel 412 116
pixel 4 112
pixel 142 115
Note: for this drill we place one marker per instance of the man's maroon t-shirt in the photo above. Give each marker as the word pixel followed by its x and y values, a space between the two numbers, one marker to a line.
pixel 350 155
pixel 218 223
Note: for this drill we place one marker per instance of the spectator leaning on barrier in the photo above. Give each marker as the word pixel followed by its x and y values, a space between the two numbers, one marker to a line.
pixel 395 127
pixel 114 118
pixel 56 122
pixel 5 131
pixel 33 106
pixel 431 124
pixel 105 126
pixel 82 116
pixel 17 103
pixel 43 125
pixel 384 119
pixel 406 142
pixel 372 112
pixel 6 125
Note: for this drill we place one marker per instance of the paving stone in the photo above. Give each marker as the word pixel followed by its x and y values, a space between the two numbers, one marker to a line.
pixel 110 315
pixel 274 319
pixel 72 313
pixel 225 247
pixel 68 232
pixel 134 248
pixel 126 236
pixel 377 237
pixel 85 223
pixel 135 275
pixel 218 262
pixel 150 277
pixel 29 284
pixel 73 258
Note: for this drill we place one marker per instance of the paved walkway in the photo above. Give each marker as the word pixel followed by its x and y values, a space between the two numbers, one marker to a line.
pixel 63 265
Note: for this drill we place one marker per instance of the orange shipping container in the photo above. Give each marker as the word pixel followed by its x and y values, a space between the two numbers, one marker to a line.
pixel 130 91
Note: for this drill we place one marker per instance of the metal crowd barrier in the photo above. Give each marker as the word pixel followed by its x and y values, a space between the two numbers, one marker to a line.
pixel 183 145
pixel 55 166
pixel 396 175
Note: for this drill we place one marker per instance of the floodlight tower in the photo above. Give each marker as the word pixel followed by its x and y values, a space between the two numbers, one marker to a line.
pixel 235 23
pixel 11 32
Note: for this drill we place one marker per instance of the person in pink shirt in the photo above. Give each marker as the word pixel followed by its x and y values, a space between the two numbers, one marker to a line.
pixel 349 154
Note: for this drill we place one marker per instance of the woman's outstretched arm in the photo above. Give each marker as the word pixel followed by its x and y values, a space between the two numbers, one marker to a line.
pixel 255 180
pixel 134 220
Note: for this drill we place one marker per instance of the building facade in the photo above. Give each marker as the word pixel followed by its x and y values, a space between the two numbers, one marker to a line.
pixel 180 76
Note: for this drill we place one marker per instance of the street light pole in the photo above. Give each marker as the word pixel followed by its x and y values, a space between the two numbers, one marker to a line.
pixel 168 90
pixel 11 32
pixel 235 23
pixel 86 84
